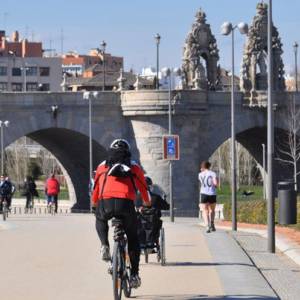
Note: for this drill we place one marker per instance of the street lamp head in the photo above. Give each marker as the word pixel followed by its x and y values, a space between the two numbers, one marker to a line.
pixel 103 46
pixel 177 71
pixel 226 28
pixel 166 72
pixel 6 123
pixel 295 47
pixel 157 38
pixel 10 52
pixel 95 94
pixel 243 28
pixel 86 95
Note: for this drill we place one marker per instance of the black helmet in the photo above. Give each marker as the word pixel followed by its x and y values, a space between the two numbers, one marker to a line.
pixel 120 144
pixel 148 180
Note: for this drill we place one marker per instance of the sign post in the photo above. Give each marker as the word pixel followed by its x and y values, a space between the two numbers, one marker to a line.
pixel 171 147
pixel 170 153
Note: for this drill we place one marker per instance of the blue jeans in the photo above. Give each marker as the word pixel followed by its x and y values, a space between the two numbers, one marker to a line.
pixel 53 199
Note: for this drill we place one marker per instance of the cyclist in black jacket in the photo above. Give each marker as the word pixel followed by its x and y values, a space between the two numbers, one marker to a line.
pixel 5 191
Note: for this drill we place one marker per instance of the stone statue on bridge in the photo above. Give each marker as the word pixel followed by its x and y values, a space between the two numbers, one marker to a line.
pixel 254 67
pixel 200 57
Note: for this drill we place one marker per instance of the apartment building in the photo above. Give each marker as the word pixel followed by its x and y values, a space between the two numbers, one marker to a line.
pixel 91 64
pixel 24 68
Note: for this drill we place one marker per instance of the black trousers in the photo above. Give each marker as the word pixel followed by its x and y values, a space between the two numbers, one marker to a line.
pixel 123 209
pixel 29 198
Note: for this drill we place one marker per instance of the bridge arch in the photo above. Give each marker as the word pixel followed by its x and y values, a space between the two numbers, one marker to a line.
pixel 71 149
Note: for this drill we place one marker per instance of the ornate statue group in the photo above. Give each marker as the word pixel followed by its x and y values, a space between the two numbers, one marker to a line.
pixel 254 67
pixel 200 57
pixel 200 69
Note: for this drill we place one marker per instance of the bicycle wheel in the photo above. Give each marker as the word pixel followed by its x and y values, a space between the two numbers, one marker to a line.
pixel 146 255
pixel 162 247
pixel 126 286
pixel 126 278
pixel 52 209
pixel 4 211
pixel 117 272
pixel 158 255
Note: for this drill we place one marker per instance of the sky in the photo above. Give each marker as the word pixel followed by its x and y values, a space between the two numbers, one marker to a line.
pixel 129 26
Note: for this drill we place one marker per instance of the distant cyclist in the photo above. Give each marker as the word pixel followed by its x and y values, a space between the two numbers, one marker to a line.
pixel 208 195
pixel 11 192
pixel 116 181
pixel 5 191
pixel 30 192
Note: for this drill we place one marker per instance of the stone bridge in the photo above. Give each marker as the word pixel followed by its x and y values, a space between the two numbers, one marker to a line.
pixel 201 115
pixel 200 118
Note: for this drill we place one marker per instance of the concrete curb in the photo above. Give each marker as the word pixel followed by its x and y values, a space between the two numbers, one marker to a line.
pixel 286 246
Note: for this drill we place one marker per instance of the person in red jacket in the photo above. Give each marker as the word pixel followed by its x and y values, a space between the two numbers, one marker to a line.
pixel 114 195
pixel 52 189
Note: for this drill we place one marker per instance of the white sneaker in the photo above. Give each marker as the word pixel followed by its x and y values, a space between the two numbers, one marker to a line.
pixel 105 253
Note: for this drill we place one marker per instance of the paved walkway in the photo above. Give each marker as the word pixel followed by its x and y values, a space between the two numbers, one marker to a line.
pixel 281 272
pixel 57 258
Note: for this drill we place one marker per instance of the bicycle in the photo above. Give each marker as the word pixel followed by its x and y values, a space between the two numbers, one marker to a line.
pixel 51 205
pixel 30 206
pixel 121 268
pixel 4 209
pixel 51 208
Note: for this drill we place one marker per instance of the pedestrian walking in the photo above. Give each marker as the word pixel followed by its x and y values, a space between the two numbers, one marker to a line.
pixel 208 195
pixel 52 189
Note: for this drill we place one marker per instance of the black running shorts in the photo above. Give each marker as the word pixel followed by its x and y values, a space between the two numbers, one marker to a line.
pixel 208 198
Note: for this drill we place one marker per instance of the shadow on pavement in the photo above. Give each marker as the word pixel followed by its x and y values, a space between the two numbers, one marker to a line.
pixel 204 264
pixel 203 297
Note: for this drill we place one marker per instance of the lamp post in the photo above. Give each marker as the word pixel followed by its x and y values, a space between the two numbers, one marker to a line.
pixel 167 72
pixel 226 29
pixel 13 55
pixel 2 125
pixel 24 69
pixel 157 39
pixel 270 134
pixel 264 171
pixel 88 96
pixel 103 47
pixel 295 46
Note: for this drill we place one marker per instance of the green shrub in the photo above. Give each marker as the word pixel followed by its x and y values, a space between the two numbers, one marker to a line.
pixel 250 211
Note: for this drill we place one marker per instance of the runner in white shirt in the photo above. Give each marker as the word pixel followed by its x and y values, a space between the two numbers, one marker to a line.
pixel 208 195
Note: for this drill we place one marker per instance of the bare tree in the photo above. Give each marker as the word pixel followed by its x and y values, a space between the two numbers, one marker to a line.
pixel 246 164
pixel 288 147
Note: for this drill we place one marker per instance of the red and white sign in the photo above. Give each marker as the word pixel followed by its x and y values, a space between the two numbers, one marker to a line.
pixel 171 147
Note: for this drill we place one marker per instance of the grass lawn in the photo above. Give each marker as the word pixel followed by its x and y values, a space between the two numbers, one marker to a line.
pixel 224 193
pixel 63 195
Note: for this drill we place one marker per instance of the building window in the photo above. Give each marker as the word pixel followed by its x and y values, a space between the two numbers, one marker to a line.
pixel 31 71
pixel 16 72
pixel 3 86
pixel 3 71
pixel 44 71
pixel 16 87
pixel 45 87
pixel 31 86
